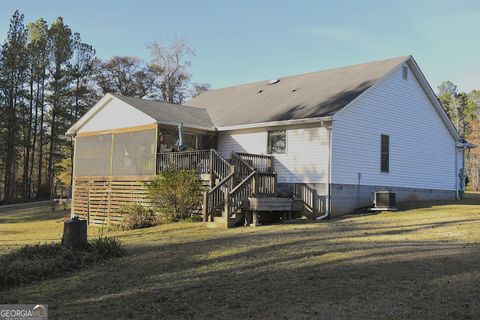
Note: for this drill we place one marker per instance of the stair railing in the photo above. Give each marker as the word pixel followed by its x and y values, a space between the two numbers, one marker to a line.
pixel 214 199
pixel 236 198
pixel 219 166
pixel 308 195
pixel 242 167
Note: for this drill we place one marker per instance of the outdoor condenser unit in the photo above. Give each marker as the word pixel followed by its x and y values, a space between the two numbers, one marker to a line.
pixel 384 201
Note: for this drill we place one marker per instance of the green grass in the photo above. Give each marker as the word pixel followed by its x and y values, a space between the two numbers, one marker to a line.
pixel 422 262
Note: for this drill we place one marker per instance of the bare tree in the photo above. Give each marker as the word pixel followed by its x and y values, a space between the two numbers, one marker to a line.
pixel 199 88
pixel 126 75
pixel 172 64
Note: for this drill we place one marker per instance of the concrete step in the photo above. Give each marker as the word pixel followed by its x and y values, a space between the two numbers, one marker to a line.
pixel 215 225
pixel 219 219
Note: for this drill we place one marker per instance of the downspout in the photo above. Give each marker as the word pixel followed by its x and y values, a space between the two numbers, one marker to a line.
pixel 329 177
pixel 464 172
pixel 72 193
pixel 457 195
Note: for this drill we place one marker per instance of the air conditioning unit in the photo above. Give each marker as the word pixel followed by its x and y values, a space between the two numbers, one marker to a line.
pixel 384 201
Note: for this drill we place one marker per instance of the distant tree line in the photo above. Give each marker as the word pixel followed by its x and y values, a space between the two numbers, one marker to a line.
pixel 464 110
pixel 49 77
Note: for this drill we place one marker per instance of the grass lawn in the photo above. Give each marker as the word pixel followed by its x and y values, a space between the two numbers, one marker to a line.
pixel 418 263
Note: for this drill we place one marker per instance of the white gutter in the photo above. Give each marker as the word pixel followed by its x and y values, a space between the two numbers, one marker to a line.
pixel 329 177
pixel 274 123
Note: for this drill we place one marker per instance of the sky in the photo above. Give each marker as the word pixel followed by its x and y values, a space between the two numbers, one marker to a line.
pixel 244 41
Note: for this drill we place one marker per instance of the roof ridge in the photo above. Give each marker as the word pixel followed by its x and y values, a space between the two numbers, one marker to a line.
pixel 120 96
pixel 402 58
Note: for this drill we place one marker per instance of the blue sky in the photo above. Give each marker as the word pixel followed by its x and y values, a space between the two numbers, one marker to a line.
pixel 244 41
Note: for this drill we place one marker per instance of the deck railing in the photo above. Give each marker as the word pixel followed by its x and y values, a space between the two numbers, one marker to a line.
pixel 312 202
pixel 255 173
pixel 198 160
pixel 202 161
pixel 261 162
pixel 266 184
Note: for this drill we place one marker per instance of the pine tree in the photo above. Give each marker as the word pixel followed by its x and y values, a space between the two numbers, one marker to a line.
pixel 13 75
pixel 60 46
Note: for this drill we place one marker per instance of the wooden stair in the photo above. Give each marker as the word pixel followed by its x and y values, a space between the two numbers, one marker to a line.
pixel 250 177
pixel 234 184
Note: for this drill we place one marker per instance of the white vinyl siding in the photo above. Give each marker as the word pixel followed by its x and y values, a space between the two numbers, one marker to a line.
pixel 116 114
pixel 306 157
pixel 422 151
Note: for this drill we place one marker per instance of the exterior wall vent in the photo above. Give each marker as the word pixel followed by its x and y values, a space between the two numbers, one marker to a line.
pixel 405 72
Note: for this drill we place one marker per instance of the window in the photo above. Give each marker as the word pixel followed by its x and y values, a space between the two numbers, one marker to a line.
pixel 405 72
pixel 277 141
pixel 385 153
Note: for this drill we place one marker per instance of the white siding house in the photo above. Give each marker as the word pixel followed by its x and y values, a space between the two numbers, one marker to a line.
pixel 358 104
pixel 331 123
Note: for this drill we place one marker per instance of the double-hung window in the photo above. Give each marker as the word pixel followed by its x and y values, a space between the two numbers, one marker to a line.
pixel 277 142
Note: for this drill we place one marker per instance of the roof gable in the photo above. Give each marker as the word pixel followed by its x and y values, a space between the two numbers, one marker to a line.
pixel 152 111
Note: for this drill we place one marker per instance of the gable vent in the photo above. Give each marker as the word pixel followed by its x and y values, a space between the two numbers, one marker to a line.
pixel 405 72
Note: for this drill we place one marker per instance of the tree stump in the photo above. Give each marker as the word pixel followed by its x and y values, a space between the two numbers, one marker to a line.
pixel 75 234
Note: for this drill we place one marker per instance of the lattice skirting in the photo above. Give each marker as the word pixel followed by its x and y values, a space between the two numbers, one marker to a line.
pixel 100 199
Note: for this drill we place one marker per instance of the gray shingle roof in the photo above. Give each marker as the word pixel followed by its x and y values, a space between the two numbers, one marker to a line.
pixel 173 114
pixel 316 94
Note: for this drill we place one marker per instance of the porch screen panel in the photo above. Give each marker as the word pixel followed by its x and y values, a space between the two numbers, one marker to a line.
pixel 134 153
pixel 92 155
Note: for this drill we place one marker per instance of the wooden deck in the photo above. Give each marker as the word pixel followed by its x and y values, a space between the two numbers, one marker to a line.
pixel 246 182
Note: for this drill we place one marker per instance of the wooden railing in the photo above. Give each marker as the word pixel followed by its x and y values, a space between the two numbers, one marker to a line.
pixel 219 166
pixel 202 161
pixel 266 184
pixel 261 162
pixel 254 171
pixel 198 160
pixel 242 168
pixel 256 184
pixel 214 199
pixel 239 194
pixel 312 202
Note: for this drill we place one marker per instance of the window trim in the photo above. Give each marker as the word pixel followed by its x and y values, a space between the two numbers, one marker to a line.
pixel 268 140
pixel 382 152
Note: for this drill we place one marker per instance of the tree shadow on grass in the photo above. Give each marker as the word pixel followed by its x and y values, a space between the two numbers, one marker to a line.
pixel 294 274
pixel 32 215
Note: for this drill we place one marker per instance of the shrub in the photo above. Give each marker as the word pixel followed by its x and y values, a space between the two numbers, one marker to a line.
pixel 176 194
pixel 104 248
pixel 137 217
pixel 42 261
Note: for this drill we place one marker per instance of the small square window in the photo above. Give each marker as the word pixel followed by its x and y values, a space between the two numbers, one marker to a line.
pixel 277 142
pixel 405 72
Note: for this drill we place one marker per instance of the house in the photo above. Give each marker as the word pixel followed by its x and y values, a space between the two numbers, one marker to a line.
pixel 329 138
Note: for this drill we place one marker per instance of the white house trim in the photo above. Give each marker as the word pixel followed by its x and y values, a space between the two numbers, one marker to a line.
pixel 275 123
